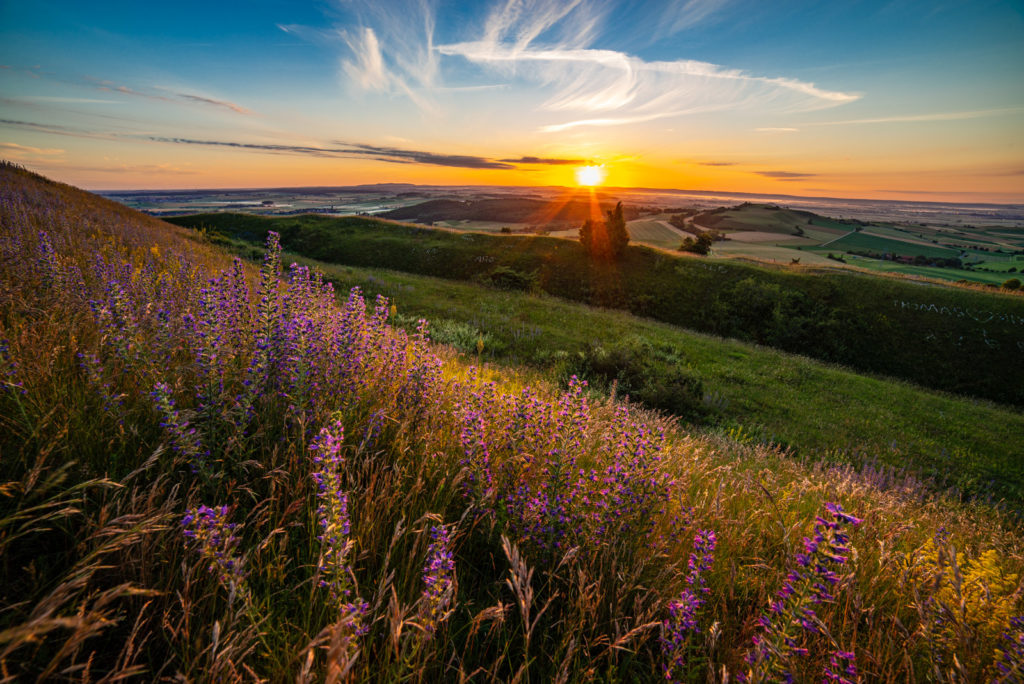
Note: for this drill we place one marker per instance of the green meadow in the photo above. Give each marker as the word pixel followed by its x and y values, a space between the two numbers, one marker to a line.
pixel 949 338
pixel 817 412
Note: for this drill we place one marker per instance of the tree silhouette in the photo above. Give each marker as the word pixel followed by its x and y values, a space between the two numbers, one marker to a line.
pixel 606 239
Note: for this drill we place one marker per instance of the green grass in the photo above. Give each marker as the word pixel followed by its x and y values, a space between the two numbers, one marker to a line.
pixel 950 274
pixel 654 233
pixel 874 243
pixel 872 324
pixel 817 410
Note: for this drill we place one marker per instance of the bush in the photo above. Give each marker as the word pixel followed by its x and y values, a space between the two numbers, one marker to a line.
pixel 506 278
pixel 1012 284
pixel 700 245
pixel 655 376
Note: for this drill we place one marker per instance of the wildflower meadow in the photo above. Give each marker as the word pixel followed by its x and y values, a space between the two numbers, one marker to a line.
pixel 217 470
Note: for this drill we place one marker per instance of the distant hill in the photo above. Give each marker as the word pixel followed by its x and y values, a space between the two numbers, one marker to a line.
pixel 509 210
pixel 767 218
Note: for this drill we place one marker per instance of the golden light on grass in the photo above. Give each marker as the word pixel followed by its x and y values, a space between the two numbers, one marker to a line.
pixel 590 175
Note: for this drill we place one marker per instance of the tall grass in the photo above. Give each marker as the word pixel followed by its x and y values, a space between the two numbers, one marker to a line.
pixel 217 474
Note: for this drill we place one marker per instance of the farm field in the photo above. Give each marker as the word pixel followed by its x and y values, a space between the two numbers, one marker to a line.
pixel 772 253
pixel 654 232
pixel 865 241
pixel 947 274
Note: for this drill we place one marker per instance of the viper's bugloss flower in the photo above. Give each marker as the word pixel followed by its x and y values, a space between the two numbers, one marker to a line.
pixel 682 623
pixel 812 581
pixel 438 578
pixel 208 532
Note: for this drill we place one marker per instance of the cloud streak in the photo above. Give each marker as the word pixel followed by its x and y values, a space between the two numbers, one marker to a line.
pixel 921 118
pixel 547 47
pixel 544 160
pixel 171 96
pixel 353 151
pixel 785 175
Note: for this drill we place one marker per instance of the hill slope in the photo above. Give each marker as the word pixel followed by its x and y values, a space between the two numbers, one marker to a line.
pixel 947 338
pixel 218 475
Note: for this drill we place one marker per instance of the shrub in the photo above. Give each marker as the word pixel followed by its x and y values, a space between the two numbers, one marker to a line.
pixel 700 245
pixel 1012 284
pixel 653 376
pixel 506 278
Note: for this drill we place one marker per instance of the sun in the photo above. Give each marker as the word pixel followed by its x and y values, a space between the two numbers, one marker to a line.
pixel 590 175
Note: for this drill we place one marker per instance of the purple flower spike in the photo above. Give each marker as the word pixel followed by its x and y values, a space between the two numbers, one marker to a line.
pixel 439 578
pixel 208 531
pixel 811 582
pixel 682 620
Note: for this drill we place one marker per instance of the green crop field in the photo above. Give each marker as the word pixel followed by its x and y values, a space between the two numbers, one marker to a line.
pixel 873 243
pixel 653 232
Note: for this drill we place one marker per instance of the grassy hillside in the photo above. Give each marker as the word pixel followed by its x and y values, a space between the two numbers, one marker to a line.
pixel 212 472
pixel 819 412
pixel 764 218
pixel 511 210
pixel 952 339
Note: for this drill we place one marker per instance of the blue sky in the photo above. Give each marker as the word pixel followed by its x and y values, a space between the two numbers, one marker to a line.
pixel 897 99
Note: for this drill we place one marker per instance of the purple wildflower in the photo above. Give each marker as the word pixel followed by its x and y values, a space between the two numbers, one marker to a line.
pixel 439 578
pixel 335 569
pixel 184 439
pixel 842 668
pixel 682 623
pixel 208 531
pixel 812 581
pixel 1011 664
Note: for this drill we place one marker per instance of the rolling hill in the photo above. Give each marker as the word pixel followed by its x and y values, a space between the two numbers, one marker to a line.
pixel 222 471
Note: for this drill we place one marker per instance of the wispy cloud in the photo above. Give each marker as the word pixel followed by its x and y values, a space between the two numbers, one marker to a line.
pixel 392 50
pixel 162 94
pixel 679 16
pixel 337 149
pixel 920 118
pixel 353 150
pixel 67 100
pixel 544 160
pixel 624 88
pixel 549 46
pixel 27 152
pixel 770 129
pixel 238 109
pixel 54 129
pixel 785 175
pixel 715 163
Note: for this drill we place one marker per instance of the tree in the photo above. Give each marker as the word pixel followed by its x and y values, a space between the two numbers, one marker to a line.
pixel 606 239
pixel 618 235
pixel 702 245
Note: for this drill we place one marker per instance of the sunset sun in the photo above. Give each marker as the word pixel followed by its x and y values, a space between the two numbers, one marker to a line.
pixel 590 175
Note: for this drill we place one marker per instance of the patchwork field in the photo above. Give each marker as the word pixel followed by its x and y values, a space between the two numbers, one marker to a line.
pixel 655 232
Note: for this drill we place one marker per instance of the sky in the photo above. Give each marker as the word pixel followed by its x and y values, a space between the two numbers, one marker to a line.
pixel 890 99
